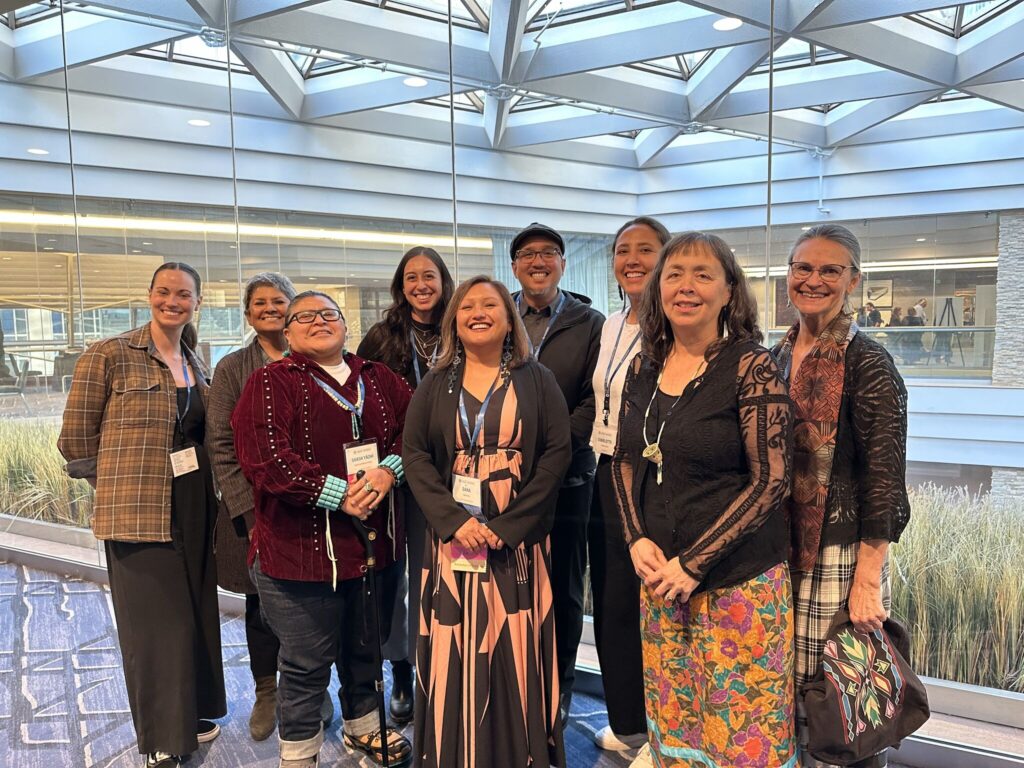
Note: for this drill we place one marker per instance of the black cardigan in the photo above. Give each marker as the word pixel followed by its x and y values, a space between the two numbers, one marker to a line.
pixel 428 452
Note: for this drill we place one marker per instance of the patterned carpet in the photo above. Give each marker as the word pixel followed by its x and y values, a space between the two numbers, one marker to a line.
pixel 63 701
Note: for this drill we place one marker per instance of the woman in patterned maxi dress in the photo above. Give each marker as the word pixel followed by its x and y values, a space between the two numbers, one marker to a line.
pixel 486 675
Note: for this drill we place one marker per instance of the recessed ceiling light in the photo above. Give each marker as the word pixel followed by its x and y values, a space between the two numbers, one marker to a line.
pixel 51 240
pixel 728 24
pixel 58 265
pixel 922 239
pixel 38 151
pixel 233 247
pixel 136 250
pixel 146 242
pixel 48 248
pixel 7 258
pixel 222 281
pixel 805 229
pixel 197 123
pixel 415 82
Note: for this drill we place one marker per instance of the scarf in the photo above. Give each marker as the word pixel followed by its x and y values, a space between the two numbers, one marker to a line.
pixel 817 392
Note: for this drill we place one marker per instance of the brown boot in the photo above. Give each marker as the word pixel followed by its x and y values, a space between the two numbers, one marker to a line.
pixel 263 719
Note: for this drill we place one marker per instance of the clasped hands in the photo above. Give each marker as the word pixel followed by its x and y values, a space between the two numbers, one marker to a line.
pixel 666 577
pixel 474 535
pixel 365 493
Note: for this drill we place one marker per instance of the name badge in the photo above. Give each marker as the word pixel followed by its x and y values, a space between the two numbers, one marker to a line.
pixel 602 439
pixel 184 461
pixel 360 455
pixel 468 491
pixel 466 560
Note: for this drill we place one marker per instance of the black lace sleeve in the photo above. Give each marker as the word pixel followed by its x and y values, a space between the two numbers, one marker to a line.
pixel 767 431
pixel 622 466
pixel 879 412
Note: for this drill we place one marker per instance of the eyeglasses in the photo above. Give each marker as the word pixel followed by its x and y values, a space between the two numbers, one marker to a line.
pixel 307 316
pixel 547 254
pixel 830 273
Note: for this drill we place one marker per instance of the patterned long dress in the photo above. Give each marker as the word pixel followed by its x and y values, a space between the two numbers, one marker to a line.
pixel 486 646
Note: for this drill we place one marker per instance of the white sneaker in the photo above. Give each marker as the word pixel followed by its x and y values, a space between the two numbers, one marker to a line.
pixel 607 739
pixel 644 758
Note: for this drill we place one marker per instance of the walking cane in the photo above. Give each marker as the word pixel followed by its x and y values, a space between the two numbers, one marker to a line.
pixel 369 535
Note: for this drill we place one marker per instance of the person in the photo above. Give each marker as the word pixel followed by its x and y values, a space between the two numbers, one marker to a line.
pixel 919 310
pixel 701 472
pixel 564 334
pixel 849 478
pixel 913 343
pixel 408 341
pixel 874 316
pixel 266 299
pixel 615 586
pixel 318 434
pixel 896 318
pixel 134 428
pixel 487 442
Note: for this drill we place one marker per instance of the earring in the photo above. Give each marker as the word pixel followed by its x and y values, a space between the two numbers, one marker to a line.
pixel 723 319
pixel 506 358
pixel 454 367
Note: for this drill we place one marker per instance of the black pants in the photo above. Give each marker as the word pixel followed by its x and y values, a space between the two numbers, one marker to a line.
pixel 260 639
pixel 405 613
pixel 616 590
pixel 568 568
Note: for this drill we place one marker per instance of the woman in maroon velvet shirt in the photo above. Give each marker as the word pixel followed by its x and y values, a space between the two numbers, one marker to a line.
pixel 300 426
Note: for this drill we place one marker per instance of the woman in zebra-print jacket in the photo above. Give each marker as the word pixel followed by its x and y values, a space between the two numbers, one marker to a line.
pixel 850 433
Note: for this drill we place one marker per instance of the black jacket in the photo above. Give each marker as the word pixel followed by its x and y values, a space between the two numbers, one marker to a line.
pixel 570 352
pixel 428 452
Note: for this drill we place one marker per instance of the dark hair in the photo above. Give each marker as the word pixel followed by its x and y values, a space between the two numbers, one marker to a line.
pixel 520 342
pixel 644 221
pixel 397 318
pixel 738 321
pixel 268 280
pixel 310 295
pixel 189 334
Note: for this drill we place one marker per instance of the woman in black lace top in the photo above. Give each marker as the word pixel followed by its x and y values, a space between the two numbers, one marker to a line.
pixel 701 471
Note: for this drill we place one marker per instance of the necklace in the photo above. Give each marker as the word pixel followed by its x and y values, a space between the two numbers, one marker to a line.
pixel 425 342
pixel 652 451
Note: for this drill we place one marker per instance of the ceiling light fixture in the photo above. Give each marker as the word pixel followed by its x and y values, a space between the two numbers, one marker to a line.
pixel 922 239
pixel 146 242
pixel 805 229
pixel 728 24
pixel 199 123
pixel 415 82
pixel 38 151
pixel 48 248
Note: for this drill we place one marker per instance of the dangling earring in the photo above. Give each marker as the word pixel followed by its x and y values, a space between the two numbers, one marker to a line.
pixel 454 367
pixel 723 318
pixel 506 358
pixel 622 297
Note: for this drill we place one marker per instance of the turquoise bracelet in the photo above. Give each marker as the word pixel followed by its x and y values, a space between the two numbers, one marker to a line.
pixel 394 463
pixel 332 496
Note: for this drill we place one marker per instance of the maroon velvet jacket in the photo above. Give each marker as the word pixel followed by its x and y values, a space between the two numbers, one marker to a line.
pixel 288 437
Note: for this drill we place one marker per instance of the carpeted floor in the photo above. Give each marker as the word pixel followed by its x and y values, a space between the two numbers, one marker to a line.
pixel 63 701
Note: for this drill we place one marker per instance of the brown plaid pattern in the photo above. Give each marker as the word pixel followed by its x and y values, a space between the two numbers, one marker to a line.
pixel 119 428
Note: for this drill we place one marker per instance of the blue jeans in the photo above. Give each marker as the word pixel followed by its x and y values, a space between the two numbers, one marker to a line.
pixel 318 627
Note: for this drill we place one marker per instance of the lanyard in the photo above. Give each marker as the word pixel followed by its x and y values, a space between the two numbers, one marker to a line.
pixel 356 410
pixel 416 358
pixel 188 398
pixel 478 424
pixel 647 413
pixel 535 351
pixel 609 374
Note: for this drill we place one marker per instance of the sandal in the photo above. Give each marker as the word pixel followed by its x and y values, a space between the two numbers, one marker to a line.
pixel 399 748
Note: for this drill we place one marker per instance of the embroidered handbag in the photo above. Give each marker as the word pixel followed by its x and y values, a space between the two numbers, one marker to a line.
pixel 864 697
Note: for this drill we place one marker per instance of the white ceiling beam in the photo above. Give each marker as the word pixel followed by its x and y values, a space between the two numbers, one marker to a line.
pixel 1013 70
pixel 362 89
pixel 40 48
pixel 992 45
pixel 164 10
pixel 277 74
pixel 211 12
pixel 622 88
pixel 505 35
pixel 720 73
pixel 368 32
pixel 645 33
pixel 749 11
pixel 848 120
pixel 249 10
pixel 901 45
pixel 6 53
pixel 496 113
pixel 809 131
pixel 1008 94
pixel 560 123
pixel 650 142
pixel 842 13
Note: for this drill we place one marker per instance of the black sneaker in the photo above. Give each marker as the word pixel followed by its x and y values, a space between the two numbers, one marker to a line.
pixel 207 730
pixel 162 760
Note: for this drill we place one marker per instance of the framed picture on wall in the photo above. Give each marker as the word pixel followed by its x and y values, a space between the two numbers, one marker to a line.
pixel 878 292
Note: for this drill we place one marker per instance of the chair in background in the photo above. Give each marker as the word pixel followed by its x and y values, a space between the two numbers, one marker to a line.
pixel 18 388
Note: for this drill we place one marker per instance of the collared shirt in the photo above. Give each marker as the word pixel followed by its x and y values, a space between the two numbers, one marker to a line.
pixel 537 320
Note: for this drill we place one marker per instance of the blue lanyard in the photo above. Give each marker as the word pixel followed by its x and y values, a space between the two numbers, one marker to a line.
pixel 416 358
pixel 535 351
pixel 609 374
pixel 188 397
pixel 475 432
pixel 356 410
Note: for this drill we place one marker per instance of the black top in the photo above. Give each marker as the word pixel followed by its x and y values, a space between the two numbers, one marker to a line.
pixel 372 348
pixel 727 449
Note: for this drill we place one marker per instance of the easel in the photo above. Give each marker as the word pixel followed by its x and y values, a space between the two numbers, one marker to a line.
pixel 947 319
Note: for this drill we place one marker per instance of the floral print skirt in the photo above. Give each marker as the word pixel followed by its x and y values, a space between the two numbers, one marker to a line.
pixel 718 675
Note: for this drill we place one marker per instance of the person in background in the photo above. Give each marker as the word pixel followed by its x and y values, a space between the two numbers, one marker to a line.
pixel 408 340
pixel 702 472
pixel 913 343
pixel 849 468
pixel 564 334
pixel 318 434
pixel 615 585
pixel 487 442
pixel 895 318
pixel 266 300
pixel 134 427
pixel 919 310
pixel 874 316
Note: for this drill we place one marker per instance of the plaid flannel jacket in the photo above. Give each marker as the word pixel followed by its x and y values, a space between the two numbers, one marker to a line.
pixel 119 429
